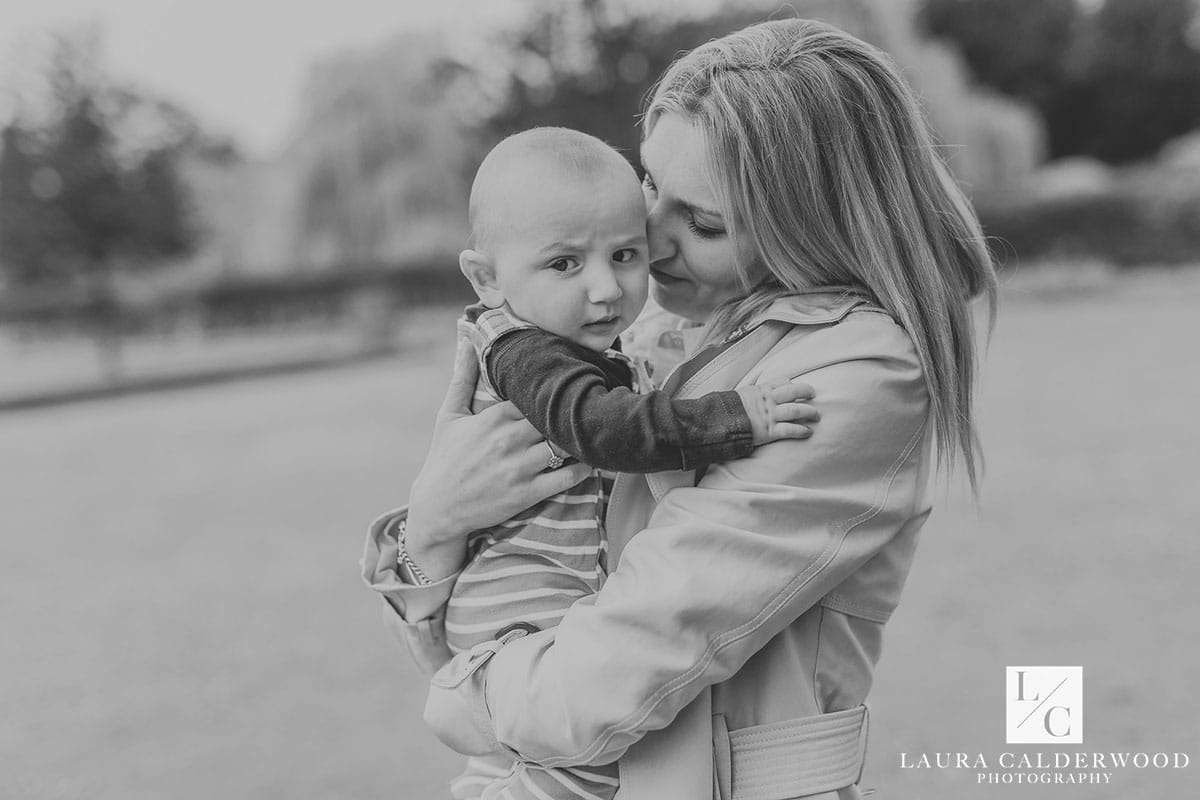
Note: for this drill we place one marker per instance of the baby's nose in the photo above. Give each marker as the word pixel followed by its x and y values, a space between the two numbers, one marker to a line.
pixel 604 287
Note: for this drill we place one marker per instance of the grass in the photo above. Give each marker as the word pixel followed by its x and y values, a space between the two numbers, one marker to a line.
pixel 183 617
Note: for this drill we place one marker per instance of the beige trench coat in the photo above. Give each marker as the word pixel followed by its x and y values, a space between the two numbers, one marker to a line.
pixel 731 650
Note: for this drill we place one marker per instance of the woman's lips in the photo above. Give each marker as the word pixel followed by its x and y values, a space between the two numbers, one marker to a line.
pixel 664 277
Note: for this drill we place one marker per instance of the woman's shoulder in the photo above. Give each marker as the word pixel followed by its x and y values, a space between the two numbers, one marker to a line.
pixel 831 326
pixel 854 350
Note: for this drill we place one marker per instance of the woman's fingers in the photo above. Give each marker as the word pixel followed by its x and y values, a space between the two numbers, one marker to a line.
pixel 457 402
pixel 500 413
pixel 481 469
pixel 558 480
pixel 550 480
pixel 537 456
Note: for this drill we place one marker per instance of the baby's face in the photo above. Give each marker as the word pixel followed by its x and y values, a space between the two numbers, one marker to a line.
pixel 572 256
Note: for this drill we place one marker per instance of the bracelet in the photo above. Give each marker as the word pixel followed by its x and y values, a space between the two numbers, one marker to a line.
pixel 404 561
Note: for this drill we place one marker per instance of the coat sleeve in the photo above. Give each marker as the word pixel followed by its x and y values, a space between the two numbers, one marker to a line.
pixel 416 615
pixel 721 568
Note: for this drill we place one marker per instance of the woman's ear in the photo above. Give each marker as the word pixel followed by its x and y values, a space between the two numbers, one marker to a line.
pixel 481 272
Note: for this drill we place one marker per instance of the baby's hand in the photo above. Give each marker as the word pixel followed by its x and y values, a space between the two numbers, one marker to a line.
pixel 776 411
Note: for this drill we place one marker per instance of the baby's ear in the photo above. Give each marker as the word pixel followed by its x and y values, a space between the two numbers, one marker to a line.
pixel 481 272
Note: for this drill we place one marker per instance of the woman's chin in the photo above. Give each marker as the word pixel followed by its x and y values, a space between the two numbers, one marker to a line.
pixel 676 296
pixel 680 298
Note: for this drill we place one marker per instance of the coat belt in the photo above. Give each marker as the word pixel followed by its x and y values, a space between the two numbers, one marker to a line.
pixel 791 759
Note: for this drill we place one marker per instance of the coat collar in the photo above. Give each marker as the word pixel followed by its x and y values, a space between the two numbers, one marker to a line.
pixel 721 367
pixel 822 306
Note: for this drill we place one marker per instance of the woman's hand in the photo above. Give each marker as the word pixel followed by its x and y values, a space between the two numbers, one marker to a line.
pixel 481 469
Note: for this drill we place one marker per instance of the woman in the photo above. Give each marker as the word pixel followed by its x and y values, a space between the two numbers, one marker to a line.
pixel 798 212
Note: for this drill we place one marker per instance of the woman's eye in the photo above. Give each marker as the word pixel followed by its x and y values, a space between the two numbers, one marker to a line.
pixel 648 183
pixel 625 255
pixel 704 232
pixel 562 264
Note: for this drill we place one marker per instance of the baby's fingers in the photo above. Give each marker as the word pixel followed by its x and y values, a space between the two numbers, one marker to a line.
pixel 789 430
pixel 788 413
pixel 790 391
pixel 795 412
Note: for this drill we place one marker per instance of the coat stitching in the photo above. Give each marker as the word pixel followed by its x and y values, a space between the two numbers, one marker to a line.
pixel 839 602
pixel 719 643
pixel 817 658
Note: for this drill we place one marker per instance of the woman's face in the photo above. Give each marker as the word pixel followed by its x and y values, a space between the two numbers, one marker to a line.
pixel 692 255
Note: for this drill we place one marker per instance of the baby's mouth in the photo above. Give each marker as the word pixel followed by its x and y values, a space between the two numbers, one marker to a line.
pixel 603 322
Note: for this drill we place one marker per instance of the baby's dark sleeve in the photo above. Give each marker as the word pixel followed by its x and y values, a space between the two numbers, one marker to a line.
pixel 581 402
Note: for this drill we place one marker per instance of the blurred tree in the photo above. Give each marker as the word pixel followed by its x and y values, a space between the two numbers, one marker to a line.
pixel 89 185
pixel 1134 81
pixel 1014 46
pixel 583 64
pixel 1115 83
pixel 377 165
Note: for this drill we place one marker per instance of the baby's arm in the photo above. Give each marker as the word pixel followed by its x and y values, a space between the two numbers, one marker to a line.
pixel 571 394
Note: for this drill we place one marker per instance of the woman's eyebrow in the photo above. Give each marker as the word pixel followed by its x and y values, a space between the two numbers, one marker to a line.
pixel 691 207
pixel 695 209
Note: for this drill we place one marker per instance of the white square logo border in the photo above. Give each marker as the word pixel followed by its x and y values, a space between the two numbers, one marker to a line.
pixel 1043 705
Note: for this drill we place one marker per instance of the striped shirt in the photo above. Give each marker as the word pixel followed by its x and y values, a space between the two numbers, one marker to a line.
pixel 526 570
pixel 529 569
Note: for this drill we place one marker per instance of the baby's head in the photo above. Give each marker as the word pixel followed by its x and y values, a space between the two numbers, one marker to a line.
pixel 558 234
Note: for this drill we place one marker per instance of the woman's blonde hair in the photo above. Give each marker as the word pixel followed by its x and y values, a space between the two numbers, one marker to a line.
pixel 819 153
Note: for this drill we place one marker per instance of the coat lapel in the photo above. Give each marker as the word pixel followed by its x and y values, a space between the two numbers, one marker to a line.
pixel 676 763
pixel 724 370
pixel 634 496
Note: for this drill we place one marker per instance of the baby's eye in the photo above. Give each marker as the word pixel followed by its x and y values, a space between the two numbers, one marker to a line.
pixel 562 264
pixel 625 255
pixel 648 183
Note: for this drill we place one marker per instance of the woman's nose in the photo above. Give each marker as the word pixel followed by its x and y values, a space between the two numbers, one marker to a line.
pixel 603 286
pixel 660 244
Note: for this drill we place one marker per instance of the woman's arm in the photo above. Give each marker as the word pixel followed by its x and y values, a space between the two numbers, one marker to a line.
pixel 722 568
pixel 481 470
pixel 414 613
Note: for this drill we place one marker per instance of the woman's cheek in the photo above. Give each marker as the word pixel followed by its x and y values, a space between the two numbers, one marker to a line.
pixel 714 268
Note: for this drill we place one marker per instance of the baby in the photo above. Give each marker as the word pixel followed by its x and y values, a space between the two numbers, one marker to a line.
pixel 559 259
